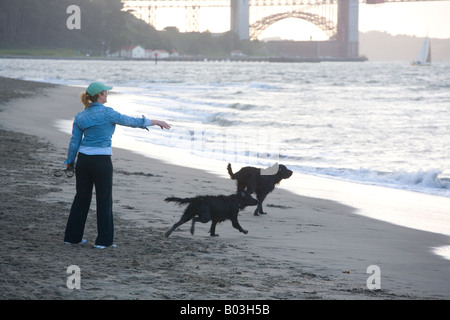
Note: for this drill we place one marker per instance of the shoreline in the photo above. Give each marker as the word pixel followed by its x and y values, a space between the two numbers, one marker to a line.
pixel 201 59
pixel 302 249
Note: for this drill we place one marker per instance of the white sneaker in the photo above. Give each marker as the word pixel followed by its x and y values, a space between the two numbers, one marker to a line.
pixel 82 242
pixel 97 246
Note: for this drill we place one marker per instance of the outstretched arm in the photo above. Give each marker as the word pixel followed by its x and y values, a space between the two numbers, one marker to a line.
pixel 124 120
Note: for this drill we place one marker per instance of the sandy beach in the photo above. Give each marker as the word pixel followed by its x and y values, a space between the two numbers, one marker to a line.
pixel 305 248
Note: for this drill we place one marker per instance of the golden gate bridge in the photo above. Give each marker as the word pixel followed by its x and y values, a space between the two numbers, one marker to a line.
pixel 338 19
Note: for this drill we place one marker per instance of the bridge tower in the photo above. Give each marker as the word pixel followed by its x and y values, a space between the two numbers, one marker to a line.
pixel 347 28
pixel 240 13
pixel 347 24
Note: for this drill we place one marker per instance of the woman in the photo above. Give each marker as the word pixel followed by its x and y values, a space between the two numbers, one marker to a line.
pixel 91 139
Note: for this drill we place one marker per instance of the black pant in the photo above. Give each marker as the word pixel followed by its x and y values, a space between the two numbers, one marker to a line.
pixel 92 170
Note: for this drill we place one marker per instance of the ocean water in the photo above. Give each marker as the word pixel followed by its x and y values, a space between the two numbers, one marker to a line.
pixel 349 130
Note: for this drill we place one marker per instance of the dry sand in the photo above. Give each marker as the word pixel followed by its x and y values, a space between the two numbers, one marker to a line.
pixel 305 248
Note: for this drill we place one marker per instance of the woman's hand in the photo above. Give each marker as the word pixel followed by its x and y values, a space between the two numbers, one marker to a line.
pixel 162 124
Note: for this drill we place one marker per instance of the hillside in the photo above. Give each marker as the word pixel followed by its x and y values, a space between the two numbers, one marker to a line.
pixel 382 46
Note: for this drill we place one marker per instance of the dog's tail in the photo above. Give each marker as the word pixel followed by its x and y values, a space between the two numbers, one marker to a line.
pixel 178 200
pixel 230 172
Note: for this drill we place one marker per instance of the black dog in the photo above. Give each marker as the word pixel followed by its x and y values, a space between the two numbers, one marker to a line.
pixel 259 181
pixel 213 208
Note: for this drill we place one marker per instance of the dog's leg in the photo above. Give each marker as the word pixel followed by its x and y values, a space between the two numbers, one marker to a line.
pixel 259 207
pixel 176 225
pixel 193 226
pixel 187 215
pixel 236 224
pixel 203 217
pixel 194 220
pixel 212 231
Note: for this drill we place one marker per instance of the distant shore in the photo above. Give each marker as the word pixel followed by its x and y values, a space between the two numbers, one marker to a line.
pixel 201 59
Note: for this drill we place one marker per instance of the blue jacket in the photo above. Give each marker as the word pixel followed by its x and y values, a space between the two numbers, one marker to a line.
pixel 93 129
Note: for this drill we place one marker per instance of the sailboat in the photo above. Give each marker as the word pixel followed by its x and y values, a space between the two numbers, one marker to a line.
pixel 424 58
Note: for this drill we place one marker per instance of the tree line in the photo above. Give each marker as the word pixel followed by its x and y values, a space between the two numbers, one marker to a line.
pixel 103 27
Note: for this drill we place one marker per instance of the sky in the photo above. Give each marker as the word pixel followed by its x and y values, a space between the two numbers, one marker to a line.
pixel 415 18
pixel 406 18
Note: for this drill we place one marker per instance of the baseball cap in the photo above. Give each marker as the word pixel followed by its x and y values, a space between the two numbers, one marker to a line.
pixel 97 87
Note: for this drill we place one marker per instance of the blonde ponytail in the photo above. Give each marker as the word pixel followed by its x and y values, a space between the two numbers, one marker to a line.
pixel 84 97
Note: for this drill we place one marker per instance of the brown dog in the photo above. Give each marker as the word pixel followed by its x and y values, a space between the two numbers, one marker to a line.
pixel 259 181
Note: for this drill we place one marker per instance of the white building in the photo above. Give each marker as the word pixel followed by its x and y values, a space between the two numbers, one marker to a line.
pixel 133 52
pixel 160 54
